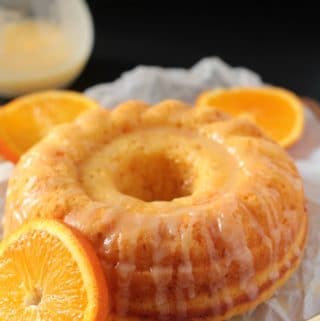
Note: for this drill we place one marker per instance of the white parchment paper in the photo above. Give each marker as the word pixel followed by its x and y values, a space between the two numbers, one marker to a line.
pixel 299 298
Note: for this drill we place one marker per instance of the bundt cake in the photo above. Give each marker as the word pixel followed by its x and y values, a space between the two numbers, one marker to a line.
pixel 194 215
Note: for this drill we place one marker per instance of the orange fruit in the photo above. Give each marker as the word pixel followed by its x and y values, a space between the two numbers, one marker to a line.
pixel 49 272
pixel 25 120
pixel 278 112
pixel 7 153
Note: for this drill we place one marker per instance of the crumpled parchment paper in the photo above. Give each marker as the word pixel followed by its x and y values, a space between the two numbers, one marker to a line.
pixel 299 298
pixel 153 84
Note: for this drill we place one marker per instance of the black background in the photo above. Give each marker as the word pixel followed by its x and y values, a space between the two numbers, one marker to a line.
pixel 282 45
pixel 279 42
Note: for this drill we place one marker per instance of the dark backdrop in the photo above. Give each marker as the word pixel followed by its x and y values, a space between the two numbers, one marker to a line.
pixel 281 45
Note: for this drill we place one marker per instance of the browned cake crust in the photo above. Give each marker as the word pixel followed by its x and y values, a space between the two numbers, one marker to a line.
pixel 195 216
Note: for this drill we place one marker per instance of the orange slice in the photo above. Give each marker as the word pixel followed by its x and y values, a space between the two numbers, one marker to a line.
pixel 25 120
pixel 7 153
pixel 278 112
pixel 50 272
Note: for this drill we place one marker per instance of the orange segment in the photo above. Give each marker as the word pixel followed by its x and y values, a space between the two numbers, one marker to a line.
pixel 278 112
pixel 25 120
pixel 49 272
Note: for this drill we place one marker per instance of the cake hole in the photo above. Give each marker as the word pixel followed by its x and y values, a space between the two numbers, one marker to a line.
pixel 154 177
pixel 34 297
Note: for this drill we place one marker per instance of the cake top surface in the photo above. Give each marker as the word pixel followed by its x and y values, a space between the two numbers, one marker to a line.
pixel 168 187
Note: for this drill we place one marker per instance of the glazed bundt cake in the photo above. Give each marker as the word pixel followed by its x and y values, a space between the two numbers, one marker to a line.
pixel 195 215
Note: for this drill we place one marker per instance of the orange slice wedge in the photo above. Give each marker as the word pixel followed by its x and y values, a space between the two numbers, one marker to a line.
pixel 25 120
pixel 278 112
pixel 50 272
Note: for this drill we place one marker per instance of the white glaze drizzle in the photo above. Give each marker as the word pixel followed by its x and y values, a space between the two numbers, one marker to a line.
pixel 124 270
pixel 162 275
pixel 127 264
pixel 227 299
pixel 274 229
pixel 243 255
pixel 212 255
pixel 184 271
